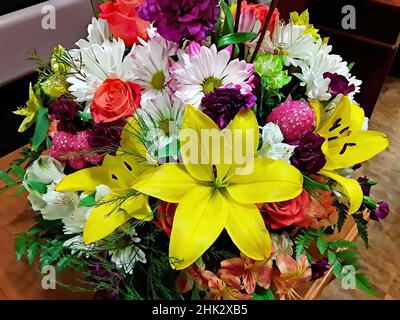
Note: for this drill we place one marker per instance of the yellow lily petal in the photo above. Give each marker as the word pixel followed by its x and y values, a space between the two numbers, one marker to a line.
pixel 130 143
pixel 86 180
pixel 168 182
pixel 27 122
pixel 355 148
pixel 340 120
pixel 107 217
pixel 319 111
pixel 197 152
pixel 350 187
pixel 247 230
pixel 357 117
pixel 199 220
pixel 270 181
pixel 143 212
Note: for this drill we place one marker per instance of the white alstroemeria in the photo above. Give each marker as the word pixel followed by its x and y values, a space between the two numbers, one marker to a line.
pixel 75 222
pixel 126 257
pixel 282 244
pixel 45 170
pixel 272 144
pixel 290 41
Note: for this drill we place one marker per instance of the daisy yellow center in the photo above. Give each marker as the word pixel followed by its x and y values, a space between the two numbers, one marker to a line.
pixel 210 84
pixel 158 80
pixel 164 126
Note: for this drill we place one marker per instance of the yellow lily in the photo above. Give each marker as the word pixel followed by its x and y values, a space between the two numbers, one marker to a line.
pixel 118 173
pixel 29 111
pixel 346 145
pixel 213 196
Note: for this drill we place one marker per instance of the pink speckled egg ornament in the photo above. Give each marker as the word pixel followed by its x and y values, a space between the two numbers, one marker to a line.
pixel 294 118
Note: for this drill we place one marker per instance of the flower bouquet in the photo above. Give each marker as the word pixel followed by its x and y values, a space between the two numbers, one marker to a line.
pixel 196 150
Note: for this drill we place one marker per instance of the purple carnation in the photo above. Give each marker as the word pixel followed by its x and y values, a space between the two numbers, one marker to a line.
pixel 65 111
pixel 308 156
pixel 365 187
pixel 339 84
pixel 381 212
pixel 319 268
pixel 181 19
pixel 103 135
pixel 223 104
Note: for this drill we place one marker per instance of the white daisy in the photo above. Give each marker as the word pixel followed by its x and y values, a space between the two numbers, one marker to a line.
pixel 96 63
pixel 313 70
pixel 77 246
pixel 98 32
pixel 290 41
pixel 126 257
pixel 198 74
pixel 162 119
pixel 272 145
pixel 151 65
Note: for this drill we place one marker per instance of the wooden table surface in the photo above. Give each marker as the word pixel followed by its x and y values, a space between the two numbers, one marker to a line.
pixel 19 280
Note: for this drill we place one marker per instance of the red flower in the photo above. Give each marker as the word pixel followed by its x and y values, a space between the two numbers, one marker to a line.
pixel 165 216
pixel 282 214
pixel 261 11
pixel 124 21
pixel 114 100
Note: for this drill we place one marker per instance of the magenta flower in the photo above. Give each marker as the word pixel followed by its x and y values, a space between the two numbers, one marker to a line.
pixel 339 84
pixel 381 212
pixel 65 111
pixel 181 19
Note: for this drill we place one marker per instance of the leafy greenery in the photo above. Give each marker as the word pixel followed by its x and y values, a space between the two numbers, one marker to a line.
pixel 235 38
pixel 362 227
pixel 263 294
pixel 41 128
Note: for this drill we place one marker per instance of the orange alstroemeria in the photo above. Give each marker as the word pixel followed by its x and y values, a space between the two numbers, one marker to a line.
pixel 248 271
pixel 223 290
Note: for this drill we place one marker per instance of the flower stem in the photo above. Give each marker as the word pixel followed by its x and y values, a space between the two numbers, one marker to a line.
pixel 265 28
pixel 238 12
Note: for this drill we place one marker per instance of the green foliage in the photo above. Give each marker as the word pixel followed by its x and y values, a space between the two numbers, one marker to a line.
pixel 37 186
pixel 229 23
pixel 235 38
pixel 362 227
pixel 263 294
pixel 41 128
pixel 342 215
pixel 363 283
pixel 88 201
pixel 311 184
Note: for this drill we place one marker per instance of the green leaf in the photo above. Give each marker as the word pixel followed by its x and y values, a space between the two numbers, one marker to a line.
pixel 361 227
pixel 88 201
pixel 21 244
pixel 85 116
pixel 341 219
pixel 263 294
pixel 322 245
pixel 41 128
pixel 311 184
pixel 5 177
pixel 32 251
pixel 17 171
pixel 337 269
pixel 332 257
pixel 235 38
pixel 348 257
pixel 228 21
pixel 363 283
pixel 195 294
pixel 37 186
pixel 351 65
pixel 342 244
pixel 369 203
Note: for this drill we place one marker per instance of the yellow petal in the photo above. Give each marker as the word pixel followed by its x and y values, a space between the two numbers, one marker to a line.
pixel 27 122
pixel 319 111
pixel 168 182
pixel 355 148
pixel 197 138
pixel 87 180
pixel 270 181
pixel 350 187
pixel 247 230
pixel 108 216
pixel 199 219
pixel 138 207
pixel 131 144
pixel 357 117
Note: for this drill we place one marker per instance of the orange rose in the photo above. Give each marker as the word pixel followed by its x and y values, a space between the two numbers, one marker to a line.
pixel 114 100
pixel 124 21
pixel 286 213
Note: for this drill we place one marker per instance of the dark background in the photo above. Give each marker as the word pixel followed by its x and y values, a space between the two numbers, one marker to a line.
pixel 7 6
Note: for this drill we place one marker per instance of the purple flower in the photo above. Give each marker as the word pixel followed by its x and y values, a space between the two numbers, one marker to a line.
pixel 381 212
pixel 339 84
pixel 308 156
pixel 65 111
pixel 103 135
pixel 181 19
pixel 319 268
pixel 365 187
pixel 223 104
